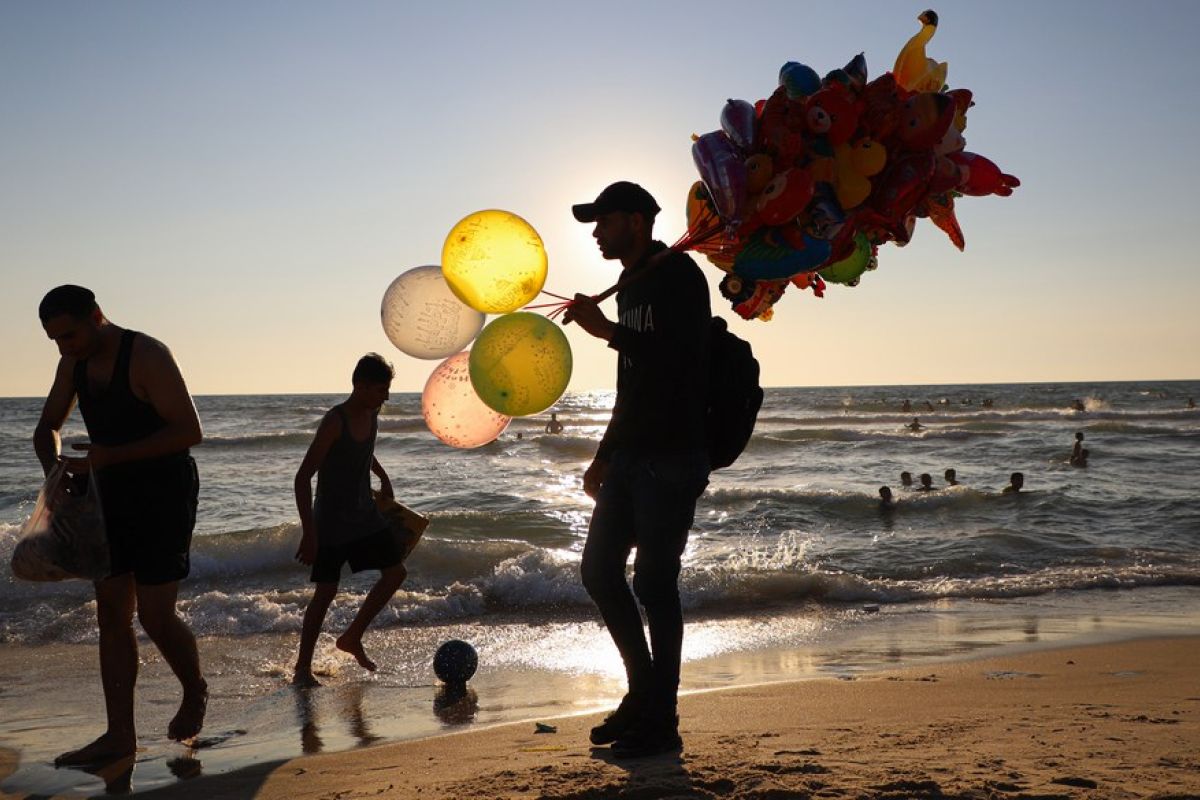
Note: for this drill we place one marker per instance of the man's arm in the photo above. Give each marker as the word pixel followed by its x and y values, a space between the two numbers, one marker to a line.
pixel 155 377
pixel 385 484
pixel 327 433
pixel 59 402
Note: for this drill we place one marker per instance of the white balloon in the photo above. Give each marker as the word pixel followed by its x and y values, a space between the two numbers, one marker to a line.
pixel 423 317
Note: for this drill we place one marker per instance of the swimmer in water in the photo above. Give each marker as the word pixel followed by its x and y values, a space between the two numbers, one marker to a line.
pixel 1015 482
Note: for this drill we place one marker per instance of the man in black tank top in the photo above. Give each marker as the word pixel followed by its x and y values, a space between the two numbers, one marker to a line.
pixel 141 422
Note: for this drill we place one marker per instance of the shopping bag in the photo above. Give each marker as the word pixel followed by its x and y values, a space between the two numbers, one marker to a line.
pixel 406 524
pixel 65 537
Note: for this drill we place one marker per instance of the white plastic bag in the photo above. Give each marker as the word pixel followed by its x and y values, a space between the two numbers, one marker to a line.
pixel 65 536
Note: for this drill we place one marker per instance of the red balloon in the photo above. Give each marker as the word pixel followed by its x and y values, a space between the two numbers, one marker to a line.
pixel 783 198
pixel 782 128
pixel 832 113
pixel 924 119
pixel 904 185
pixel 881 100
pixel 982 177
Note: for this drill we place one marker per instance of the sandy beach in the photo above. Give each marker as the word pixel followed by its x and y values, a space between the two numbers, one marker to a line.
pixel 1114 720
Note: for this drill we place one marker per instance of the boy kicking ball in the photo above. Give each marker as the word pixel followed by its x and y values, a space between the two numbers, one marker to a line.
pixel 344 525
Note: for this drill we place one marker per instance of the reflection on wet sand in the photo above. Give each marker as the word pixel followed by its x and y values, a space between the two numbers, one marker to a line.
pixel 455 704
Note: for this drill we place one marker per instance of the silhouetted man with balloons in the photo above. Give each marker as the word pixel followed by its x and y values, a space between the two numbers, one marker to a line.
pixel 652 463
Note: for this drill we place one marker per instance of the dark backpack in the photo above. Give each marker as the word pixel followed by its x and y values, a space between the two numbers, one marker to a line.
pixel 734 396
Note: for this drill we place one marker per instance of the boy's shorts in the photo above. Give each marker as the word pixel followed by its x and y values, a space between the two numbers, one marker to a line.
pixel 380 550
pixel 149 513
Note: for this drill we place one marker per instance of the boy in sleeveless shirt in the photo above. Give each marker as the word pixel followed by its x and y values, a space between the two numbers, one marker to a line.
pixel 141 423
pixel 344 524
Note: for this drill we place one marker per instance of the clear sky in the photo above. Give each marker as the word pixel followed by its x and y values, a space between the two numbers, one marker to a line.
pixel 244 180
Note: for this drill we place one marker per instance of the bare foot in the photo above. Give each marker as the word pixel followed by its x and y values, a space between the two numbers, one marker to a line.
pixel 305 679
pixel 189 719
pixel 106 748
pixel 355 648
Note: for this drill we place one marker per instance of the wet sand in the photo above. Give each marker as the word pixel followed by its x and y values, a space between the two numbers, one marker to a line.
pixel 1115 720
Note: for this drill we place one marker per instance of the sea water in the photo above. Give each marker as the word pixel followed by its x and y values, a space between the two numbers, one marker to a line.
pixel 792 568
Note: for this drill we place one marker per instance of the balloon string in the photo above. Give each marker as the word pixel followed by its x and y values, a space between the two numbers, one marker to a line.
pixel 685 242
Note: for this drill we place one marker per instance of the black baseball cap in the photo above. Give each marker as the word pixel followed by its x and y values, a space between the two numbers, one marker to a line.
pixel 619 196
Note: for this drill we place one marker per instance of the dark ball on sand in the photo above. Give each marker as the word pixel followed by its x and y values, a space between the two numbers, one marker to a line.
pixel 455 662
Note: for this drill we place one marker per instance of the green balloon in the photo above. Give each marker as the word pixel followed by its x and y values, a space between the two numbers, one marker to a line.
pixel 849 269
pixel 520 364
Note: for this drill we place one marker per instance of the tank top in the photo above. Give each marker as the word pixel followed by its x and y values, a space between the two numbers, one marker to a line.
pixel 116 416
pixel 344 508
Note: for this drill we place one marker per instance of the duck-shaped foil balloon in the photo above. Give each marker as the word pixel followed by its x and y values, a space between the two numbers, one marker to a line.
pixel 915 71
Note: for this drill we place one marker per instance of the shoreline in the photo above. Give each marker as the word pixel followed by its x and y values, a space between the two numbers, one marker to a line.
pixel 256 719
pixel 1111 720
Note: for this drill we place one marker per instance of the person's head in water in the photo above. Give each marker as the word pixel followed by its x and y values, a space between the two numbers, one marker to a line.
pixel 885 494
pixel 906 479
pixel 1016 481
pixel 624 221
pixel 1079 436
pixel 372 379
pixel 72 320
pixel 951 477
pixel 926 480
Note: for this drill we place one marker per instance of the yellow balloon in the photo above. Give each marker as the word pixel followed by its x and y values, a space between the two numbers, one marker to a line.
pixel 452 410
pixel 494 261
pixel 520 364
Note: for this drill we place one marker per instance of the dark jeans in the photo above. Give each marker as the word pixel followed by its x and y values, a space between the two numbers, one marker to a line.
pixel 647 502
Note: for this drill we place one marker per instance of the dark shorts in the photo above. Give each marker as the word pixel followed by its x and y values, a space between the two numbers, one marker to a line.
pixel 149 515
pixel 379 550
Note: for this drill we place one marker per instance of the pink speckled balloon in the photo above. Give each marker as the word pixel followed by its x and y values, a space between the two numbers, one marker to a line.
pixel 452 409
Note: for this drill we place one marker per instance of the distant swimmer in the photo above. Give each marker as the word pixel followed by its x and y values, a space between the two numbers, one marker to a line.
pixel 1015 482
pixel 926 483
pixel 906 479
pixel 1191 403
pixel 907 405
pixel 928 406
pixel 886 501
pixel 554 426
pixel 1078 448
pixel 915 425
pixel 951 477
pixel 1078 405
pixel 987 402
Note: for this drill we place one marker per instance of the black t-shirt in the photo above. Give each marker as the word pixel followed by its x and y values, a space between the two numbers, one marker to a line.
pixel 662 366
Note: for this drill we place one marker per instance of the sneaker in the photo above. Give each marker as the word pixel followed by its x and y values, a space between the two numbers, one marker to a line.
pixel 618 721
pixel 649 736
